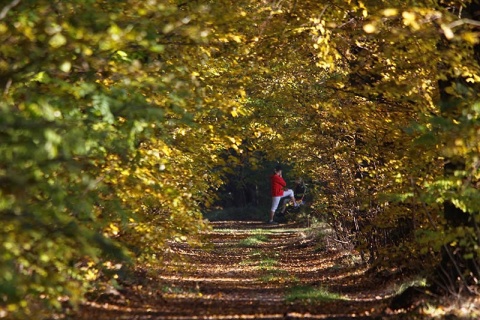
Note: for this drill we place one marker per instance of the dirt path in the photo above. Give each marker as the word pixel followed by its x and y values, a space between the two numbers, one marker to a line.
pixel 252 271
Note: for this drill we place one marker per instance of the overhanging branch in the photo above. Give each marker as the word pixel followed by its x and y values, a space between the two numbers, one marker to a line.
pixel 7 8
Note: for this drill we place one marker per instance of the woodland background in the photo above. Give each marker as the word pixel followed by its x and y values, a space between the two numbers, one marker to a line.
pixel 123 122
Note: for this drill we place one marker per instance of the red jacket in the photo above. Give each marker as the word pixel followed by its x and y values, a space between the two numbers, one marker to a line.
pixel 277 185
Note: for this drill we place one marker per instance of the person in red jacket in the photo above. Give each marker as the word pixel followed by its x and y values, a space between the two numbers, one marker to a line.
pixel 279 190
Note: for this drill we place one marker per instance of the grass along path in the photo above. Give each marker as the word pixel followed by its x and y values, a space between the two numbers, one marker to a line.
pixel 251 271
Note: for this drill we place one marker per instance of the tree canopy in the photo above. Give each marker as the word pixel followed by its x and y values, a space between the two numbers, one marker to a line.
pixel 121 119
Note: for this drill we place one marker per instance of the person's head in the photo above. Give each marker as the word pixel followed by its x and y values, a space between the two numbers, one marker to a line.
pixel 299 180
pixel 278 169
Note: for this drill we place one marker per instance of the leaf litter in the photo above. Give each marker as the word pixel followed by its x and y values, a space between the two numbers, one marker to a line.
pixel 251 271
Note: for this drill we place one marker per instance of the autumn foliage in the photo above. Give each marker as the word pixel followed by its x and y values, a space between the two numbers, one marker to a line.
pixel 120 120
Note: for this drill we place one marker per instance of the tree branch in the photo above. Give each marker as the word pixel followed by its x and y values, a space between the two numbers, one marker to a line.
pixel 7 8
pixel 464 21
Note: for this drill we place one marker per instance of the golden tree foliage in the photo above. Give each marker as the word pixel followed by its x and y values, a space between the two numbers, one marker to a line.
pixel 110 138
pixel 351 94
pixel 117 119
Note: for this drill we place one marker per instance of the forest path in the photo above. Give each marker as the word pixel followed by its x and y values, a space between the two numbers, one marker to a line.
pixel 252 270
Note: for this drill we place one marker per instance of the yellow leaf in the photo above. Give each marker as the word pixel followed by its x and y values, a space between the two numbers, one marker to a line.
pixel 57 40
pixel 114 229
pixel 471 37
pixel 237 39
pixel 3 28
pixel 410 19
pixel 166 150
pixel 408 16
pixel 369 28
pixel 390 12
pixel 66 66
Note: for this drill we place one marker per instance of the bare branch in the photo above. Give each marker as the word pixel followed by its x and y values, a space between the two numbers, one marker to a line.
pixel 464 21
pixel 7 8
pixel 7 86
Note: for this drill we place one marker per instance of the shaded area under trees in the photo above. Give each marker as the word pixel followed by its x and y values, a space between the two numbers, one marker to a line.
pixel 120 122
